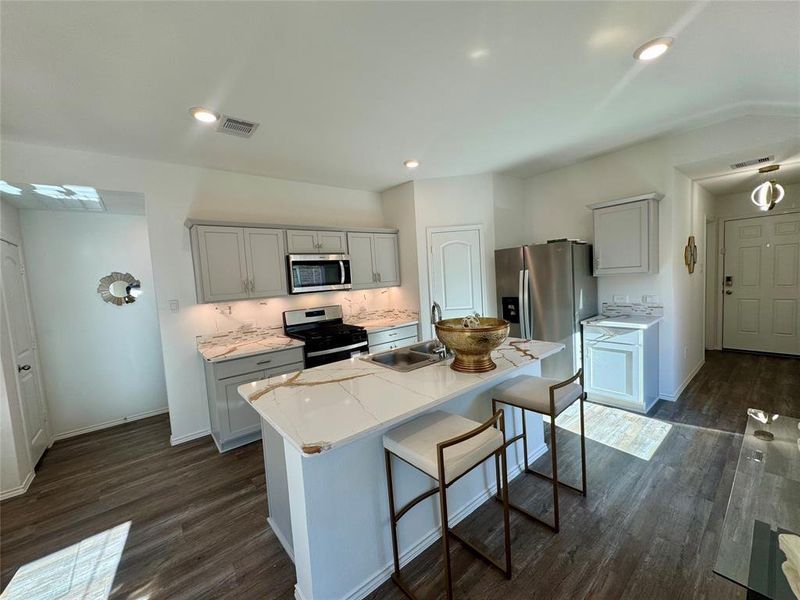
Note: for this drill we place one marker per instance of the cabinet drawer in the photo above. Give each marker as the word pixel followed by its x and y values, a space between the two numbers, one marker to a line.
pixel 378 348
pixel 616 335
pixel 391 335
pixel 258 362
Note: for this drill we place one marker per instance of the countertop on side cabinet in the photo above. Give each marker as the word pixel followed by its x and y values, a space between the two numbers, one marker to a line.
pixel 243 343
pixel 624 321
pixel 332 405
pixel 380 320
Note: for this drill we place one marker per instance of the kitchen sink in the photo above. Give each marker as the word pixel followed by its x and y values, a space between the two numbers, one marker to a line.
pixel 408 358
pixel 402 359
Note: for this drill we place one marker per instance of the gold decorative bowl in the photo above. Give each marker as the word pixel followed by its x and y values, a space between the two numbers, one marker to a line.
pixel 472 346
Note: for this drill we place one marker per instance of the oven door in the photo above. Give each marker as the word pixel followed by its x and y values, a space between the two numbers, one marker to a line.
pixel 318 272
pixel 324 357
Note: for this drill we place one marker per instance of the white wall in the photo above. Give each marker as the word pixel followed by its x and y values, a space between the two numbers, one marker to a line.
pixel 101 363
pixel 556 204
pixel 509 211
pixel 173 193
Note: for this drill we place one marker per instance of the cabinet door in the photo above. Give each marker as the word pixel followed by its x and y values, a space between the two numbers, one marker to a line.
pixel 332 242
pixel 362 260
pixel 301 241
pixel 223 265
pixel 241 416
pixel 266 262
pixel 613 371
pixel 387 259
pixel 621 239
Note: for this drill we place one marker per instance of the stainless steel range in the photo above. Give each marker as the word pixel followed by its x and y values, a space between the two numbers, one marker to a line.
pixel 327 338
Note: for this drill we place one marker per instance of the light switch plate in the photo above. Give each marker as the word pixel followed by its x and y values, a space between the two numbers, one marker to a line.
pixel 174 306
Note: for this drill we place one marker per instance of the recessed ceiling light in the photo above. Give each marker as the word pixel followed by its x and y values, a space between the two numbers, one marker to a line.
pixel 653 49
pixel 411 163
pixel 479 53
pixel 204 115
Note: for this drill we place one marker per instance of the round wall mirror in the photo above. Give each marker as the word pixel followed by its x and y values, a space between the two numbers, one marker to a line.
pixel 119 288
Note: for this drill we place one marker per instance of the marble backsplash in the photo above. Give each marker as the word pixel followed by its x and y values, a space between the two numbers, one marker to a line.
pixel 267 314
pixel 615 309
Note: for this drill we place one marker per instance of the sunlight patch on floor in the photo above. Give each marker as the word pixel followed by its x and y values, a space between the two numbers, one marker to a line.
pixel 633 434
pixel 82 571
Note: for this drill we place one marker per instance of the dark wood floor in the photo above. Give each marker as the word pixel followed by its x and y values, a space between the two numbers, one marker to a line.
pixel 647 530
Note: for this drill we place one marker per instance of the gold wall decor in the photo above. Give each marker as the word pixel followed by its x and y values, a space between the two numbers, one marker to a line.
pixel 690 254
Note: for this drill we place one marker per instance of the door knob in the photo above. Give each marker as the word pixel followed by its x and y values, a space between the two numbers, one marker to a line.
pixel 21 368
pixel 728 292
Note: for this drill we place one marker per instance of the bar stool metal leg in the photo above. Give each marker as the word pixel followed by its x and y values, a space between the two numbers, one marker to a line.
pixel 554 459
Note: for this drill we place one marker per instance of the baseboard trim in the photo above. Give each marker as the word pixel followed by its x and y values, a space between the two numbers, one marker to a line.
pixel 432 536
pixel 281 538
pixel 20 489
pixel 114 422
pixel 675 395
pixel 174 440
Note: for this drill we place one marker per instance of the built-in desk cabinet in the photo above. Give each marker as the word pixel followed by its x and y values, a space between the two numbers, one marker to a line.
pixel 374 259
pixel 233 421
pixel 300 241
pixel 626 235
pixel 237 263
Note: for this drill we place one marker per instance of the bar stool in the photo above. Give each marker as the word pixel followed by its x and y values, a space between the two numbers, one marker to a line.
pixel 446 447
pixel 546 397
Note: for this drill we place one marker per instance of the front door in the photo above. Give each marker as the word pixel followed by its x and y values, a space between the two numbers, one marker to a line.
pixel 761 285
pixel 20 332
pixel 456 273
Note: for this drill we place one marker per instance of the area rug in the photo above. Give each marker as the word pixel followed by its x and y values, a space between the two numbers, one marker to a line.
pixel 628 432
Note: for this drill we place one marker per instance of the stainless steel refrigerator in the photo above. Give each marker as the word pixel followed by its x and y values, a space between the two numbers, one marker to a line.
pixel 545 291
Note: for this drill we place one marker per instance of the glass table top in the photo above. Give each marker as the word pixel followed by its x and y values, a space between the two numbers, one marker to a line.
pixel 764 503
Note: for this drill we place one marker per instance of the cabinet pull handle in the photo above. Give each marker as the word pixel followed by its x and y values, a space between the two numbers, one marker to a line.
pixel 244 285
pixel 379 276
pixel 253 286
pixel 263 362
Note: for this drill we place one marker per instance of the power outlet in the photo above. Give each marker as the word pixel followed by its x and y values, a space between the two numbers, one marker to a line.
pixel 685 352
pixel 647 299
pixel 619 298
pixel 174 306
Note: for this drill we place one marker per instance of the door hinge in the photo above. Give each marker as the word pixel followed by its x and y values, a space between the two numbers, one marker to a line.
pixel 722 250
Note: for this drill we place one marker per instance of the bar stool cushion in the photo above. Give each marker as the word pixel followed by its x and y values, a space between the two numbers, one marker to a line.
pixel 415 442
pixel 533 393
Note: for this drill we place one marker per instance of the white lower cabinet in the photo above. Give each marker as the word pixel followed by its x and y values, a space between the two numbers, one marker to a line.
pixel 621 366
pixel 389 339
pixel 233 421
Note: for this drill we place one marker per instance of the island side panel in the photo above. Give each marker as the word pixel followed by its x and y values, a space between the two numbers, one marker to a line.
pixel 279 518
pixel 339 505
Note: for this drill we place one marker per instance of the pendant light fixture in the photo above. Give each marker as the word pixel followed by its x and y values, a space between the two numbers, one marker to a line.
pixel 766 195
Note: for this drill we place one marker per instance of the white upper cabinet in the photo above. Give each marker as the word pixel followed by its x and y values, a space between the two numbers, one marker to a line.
pixel 387 259
pixel 626 235
pixel 222 264
pixel 266 262
pixel 316 242
pixel 237 263
pixel 374 259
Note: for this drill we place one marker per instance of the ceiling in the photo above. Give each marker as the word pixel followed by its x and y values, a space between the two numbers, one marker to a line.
pixel 25 196
pixel 345 92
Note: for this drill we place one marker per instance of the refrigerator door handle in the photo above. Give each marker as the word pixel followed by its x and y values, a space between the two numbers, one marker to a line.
pixel 521 300
pixel 526 288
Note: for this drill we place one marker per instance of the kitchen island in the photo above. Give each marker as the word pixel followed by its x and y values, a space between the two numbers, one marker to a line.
pixel 323 452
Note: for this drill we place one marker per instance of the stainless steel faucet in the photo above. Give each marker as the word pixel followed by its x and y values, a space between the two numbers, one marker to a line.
pixel 436 310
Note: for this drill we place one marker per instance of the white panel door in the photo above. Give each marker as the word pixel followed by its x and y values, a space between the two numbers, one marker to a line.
pixel 302 242
pixel 761 301
pixel 332 242
pixel 20 332
pixel 223 265
pixel 266 262
pixel 362 260
pixel 621 243
pixel 456 274
pixel 387 259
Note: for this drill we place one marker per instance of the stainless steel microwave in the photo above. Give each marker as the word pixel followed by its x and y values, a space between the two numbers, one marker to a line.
pixel 318 272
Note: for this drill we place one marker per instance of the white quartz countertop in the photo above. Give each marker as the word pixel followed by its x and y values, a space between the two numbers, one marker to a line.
pixel 624 321
pixel 329 406
pixel 380 320
pixel 239 344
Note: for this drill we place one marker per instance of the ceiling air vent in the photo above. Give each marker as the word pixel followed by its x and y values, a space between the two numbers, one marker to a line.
pixel 238 127
pixel 752 162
